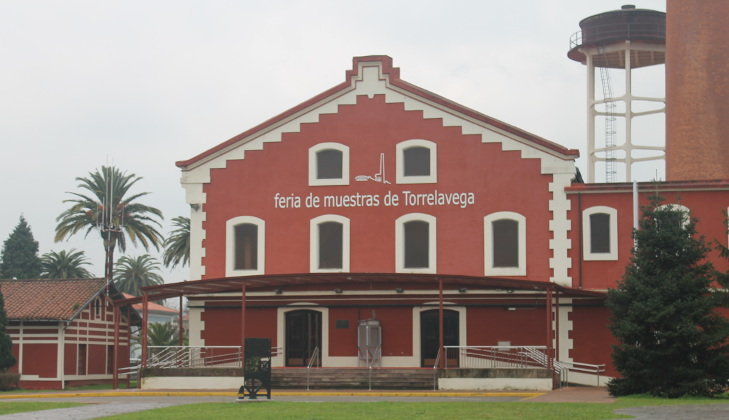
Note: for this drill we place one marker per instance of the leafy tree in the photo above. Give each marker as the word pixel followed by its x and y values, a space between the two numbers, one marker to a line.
pixel 64 265
pixel 133 273
pixel 162 334
pixel 177 245
pixel 106 206
pixel 19 257
pixel 6 346
pixel 671 342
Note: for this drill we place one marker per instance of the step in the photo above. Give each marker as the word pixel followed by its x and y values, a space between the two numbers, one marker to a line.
pixel 352 378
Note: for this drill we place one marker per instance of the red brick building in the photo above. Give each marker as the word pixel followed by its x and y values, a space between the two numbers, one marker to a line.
pixel 63 331
pixel 378 200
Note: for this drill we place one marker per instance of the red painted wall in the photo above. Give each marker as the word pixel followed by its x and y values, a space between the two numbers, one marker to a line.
pixel 97 359
pixel 591 338
pixel 222 325
pixel 69 356
pixel 39 359
pixel 706 206
pixel 522 327
pixel 247 187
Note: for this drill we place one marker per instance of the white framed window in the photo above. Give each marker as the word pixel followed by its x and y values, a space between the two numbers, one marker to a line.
pixel 329 164
pixel 416 162
pixel 415 243
pixel 600 234
pixel 329 244
pixel 504 244
pixel 245 246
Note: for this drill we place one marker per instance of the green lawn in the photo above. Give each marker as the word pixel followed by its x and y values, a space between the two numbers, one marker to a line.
pixel 405 410
pixel 23 406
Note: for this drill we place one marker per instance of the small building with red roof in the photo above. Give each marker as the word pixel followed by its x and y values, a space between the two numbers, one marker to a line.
pixel 63 331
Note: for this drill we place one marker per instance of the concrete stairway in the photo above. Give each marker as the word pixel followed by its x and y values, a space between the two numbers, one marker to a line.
pixel 352 378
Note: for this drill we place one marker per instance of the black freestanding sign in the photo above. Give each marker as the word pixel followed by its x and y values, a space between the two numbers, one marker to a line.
pixel 256 368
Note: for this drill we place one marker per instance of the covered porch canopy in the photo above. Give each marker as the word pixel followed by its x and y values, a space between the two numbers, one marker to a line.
pixel 281 281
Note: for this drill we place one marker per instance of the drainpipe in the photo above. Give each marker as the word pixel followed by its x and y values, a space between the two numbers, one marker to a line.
pixel 635 208
pixel 579 240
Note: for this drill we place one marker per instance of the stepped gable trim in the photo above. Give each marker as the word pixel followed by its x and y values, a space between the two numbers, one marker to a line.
pixel 393 77
pixel 268 281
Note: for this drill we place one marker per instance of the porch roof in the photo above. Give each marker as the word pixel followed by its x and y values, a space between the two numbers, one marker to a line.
pixel 273 281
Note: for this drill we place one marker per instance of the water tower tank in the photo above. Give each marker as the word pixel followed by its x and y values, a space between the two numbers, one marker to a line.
pixel 625 39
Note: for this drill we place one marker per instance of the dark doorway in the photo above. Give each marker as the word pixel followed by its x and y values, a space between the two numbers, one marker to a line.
pixel 429 336
pixel 303 335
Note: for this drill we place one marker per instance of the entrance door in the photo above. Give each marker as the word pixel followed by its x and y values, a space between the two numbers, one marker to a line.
pixel 303 335
pixel 429 336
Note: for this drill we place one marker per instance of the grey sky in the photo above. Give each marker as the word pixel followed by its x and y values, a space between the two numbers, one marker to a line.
pixel 142 84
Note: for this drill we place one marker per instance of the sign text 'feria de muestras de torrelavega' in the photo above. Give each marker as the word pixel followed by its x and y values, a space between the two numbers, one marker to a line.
pixel 389 199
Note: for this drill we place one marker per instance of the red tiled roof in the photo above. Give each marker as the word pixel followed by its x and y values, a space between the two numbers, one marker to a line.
pixel 393 74
pixel 151 306
pixel 48 299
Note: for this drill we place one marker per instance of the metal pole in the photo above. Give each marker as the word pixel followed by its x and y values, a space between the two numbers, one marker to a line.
pixel 440 324
pixel 145 317
pixel 549 331
pixel 115 364
pixel 180 326
pixel 242 319
pixel 556 325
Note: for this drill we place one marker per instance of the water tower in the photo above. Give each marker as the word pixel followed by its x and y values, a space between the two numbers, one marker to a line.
pixel 624 39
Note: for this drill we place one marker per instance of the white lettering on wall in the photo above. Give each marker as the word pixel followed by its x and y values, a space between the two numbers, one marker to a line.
pixel 391 199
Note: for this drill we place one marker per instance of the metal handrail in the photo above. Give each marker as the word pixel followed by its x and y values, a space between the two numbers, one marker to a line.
pixel 523 356
pixel 435 370
pixel 314 357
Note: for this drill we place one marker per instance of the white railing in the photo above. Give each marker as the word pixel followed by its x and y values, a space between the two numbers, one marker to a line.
pixel 485 357
pixel 197 356
pixel 194 356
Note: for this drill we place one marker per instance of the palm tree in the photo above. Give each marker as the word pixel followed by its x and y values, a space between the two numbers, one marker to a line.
pixel 133 273
pixel 64 265
pixel 105 206
pixel 177 245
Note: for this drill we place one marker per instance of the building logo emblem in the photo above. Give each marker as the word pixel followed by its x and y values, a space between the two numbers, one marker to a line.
pixel 379 176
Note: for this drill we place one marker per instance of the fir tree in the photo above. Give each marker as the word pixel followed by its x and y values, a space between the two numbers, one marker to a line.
pixel 6 346
pixel 19 258
pixel 671 341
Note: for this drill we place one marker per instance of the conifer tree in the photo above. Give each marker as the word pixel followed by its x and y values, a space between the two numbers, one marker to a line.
pixel 6 346
pixel 19 257
pixel 671 341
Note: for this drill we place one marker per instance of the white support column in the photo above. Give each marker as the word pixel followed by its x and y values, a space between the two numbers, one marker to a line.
pixel 60 365
pixel 628 115
pixel 590 118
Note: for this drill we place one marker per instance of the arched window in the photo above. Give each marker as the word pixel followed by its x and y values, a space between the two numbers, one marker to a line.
pixel 329 164
pixel 415 247
pixel 505 244
pixel 245 249
pixel 416 162
pixel 329 243
pixel 600 234
pixel 682 212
